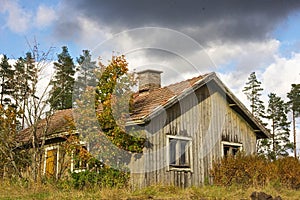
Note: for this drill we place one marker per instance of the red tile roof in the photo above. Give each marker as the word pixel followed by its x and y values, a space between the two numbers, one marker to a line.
pixel 146 102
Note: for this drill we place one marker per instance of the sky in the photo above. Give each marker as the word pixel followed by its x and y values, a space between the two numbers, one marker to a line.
pixel 181 38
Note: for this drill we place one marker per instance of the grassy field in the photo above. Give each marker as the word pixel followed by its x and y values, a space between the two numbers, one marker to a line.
pixel 15 191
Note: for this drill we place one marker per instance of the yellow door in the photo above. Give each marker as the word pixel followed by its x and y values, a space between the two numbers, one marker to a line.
pixel 51 162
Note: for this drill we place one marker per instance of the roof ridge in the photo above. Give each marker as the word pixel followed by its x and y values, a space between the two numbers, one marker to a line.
pixel 183 81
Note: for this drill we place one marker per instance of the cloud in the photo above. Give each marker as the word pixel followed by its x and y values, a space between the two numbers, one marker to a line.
pixel 244 56
pixel 279 76
pixel 276 77
pixel 45 16
pixel 18 20
pixel 205 21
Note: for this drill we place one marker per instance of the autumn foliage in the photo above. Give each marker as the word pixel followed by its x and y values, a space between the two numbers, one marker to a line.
pixel 257 171
pixel 113 95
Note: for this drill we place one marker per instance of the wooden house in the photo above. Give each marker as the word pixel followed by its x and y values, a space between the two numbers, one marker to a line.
pixel 188 126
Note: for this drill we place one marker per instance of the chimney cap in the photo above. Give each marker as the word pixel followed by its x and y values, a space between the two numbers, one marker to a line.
pixel 149 70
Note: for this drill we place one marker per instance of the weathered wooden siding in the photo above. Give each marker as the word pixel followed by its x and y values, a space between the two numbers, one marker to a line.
pixel 206 117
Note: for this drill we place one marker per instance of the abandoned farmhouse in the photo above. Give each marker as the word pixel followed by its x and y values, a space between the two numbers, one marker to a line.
pixel 189 125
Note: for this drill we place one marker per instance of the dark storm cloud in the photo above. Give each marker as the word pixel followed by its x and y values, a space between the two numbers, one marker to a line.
pixel 210 20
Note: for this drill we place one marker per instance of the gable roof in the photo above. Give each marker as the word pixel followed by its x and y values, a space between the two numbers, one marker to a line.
pixel 149 104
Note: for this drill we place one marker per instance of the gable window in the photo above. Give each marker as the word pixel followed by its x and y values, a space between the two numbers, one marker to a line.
pixel 51 161
pixel 179 152
pixel 231 148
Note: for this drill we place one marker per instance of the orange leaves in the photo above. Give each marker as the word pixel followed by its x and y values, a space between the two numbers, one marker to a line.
pixel 253 170
pixel 113 94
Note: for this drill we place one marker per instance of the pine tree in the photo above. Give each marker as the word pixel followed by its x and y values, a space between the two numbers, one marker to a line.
pixel 253 92
pixel 6 76
pixel 85 73
pixel 279 144
pixel 294 107
pixel 63 82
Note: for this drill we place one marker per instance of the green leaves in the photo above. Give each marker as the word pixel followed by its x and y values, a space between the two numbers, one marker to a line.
pixel 113 94
pixel 63 82
pixel 253 92
pixel 294 96
pixel 280 131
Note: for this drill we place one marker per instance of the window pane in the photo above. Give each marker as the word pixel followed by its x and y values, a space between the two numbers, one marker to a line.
pixel 172 151
pixel 226 150
pixel 230 150
pixel 182 160
pixel 235 150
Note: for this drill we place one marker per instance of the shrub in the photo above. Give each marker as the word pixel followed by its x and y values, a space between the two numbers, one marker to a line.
pixel 253 170
pixel 106 177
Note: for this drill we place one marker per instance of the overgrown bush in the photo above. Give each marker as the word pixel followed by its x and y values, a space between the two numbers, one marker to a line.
pixel 253 170
pixel 106 177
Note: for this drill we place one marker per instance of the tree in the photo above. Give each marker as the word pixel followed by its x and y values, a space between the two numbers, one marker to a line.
pixel 6 74
pixel 277 111
pixel 85 74
pixel 253 92
pixel 12 159
pixel 25 80
pixel 294 106
pixel 113 95
pixel 63 82
pixel 36 108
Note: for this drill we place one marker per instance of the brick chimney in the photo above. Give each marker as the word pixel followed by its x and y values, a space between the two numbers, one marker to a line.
pixel 149 80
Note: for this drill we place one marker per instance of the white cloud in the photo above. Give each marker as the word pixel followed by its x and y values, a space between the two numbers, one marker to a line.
pixel 246 56
pixel 18 19
pixel 91 33
pixel 45 16
pixel 279 76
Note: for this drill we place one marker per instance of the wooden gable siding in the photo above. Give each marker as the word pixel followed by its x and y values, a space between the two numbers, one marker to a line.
pixel 206 117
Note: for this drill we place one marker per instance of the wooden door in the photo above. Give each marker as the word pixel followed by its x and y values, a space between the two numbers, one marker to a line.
pixel 51 162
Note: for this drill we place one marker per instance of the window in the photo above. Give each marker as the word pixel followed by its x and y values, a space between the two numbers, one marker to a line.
pixel 79 158
pixel 51 161
pixel 230 148
pixel 179 152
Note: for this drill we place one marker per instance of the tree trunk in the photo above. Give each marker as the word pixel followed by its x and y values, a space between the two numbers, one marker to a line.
pixel 294 131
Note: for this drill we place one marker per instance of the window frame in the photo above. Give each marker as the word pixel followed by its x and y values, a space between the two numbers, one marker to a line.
pixel 178 167
pixel 232 144
pixel 77 170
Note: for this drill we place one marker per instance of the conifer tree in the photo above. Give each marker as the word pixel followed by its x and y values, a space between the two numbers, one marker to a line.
pixel 63 82
pixel 294 107
pixel 6 76
pixel 279 143
pixel 253 92
pixel 85 73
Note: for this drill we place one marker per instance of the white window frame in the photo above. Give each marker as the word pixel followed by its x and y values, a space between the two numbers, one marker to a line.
pixel 189 153
pixel 233 144
pixel 81 143
pixel 57 158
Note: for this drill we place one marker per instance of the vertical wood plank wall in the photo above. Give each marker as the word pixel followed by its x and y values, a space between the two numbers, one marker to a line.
pixel 206 117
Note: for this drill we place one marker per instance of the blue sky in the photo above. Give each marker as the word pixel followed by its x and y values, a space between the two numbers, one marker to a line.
pixel 238 36
pixel 234 37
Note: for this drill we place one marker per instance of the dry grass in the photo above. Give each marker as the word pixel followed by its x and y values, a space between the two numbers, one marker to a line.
pixel 49 191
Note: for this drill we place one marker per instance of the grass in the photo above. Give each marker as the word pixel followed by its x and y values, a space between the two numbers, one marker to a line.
pixel 51 191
